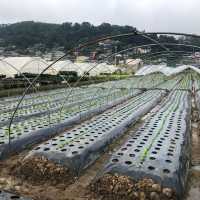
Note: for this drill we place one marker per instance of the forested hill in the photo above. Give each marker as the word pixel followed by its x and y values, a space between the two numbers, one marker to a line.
pixel 27 34
pixel 45 36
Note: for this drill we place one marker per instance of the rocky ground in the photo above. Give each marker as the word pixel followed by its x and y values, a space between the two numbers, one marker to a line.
pixel 116 187
pixel 38 170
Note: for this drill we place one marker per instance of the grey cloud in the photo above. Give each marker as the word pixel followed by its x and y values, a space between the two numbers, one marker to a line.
pixel 149 15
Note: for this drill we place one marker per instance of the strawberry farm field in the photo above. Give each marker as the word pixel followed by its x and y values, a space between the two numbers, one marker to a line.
pixel 123 139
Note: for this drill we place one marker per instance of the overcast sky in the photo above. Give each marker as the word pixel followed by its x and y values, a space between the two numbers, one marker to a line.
pixel 149 15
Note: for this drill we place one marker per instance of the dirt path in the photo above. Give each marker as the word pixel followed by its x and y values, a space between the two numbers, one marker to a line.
pixel 193 192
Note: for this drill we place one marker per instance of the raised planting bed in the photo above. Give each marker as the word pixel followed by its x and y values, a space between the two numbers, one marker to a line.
pixel 52 106
pixel 156 157
pixel 148 81
pixel 186 82
pixel 40 97
pixel 170 83
pixel 9 103
pixel 79 147
pixel 38 100
pixel 37 129
pixel 10 196
pixel 46 99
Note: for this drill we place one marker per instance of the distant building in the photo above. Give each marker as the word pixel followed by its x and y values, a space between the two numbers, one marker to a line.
pixel 82 59
pixel 142 50
pixel 133 65
pixel 53 55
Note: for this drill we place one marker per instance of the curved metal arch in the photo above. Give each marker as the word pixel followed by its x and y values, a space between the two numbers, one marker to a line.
pixel 149 45
pixel 48 108
pixel 13 67
pixel 121 52
pixel 18 71
pixel 172 51
pixel 170 33
pixel 90 43
pixel 31 61
pixel 99 89
pixel 2 68
pixel 93 67
pixel 106 58
pixel 100 40
pixel 163 53
pixel 171 44
pixel 155 53
pixel 185 53
pixel 181 44
pixel 46 64
pixel 71 92
pixel 156 42
pixel 12 117
pixel 53 68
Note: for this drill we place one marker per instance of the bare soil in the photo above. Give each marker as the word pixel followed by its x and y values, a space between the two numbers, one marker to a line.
pixel 38 170
pixel 114 187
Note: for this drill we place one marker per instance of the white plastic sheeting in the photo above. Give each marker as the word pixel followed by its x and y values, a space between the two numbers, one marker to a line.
pixel 148 69
pixel 81 68
pixel 12 65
